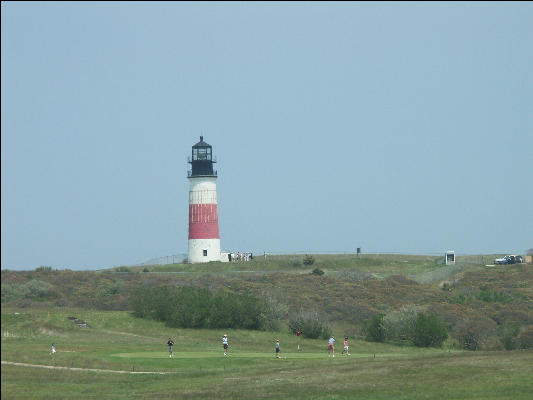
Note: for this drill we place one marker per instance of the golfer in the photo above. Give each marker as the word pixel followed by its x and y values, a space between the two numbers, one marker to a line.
pixel 331 346
pixel 277 348
pixel 346 346
pixel 170 343
pixel 225 344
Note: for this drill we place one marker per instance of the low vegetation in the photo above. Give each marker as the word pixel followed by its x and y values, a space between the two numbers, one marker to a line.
pixel 312 324
pixel 193 307
pixel 118 341
pixel 480 308
pixel 400 313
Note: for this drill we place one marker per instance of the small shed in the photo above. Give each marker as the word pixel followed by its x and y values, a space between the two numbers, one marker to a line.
pixel 449 256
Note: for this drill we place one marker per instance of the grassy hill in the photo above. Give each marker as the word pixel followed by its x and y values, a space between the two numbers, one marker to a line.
pixel 116 341
pixel 492 304
pixel 351 290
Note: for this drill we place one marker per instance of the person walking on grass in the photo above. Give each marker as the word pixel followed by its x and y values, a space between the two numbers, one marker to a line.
pixel 170 343
pixel 53 351
pixel 225 344
pixel 277 349
pixel 331 346
pixel 346 347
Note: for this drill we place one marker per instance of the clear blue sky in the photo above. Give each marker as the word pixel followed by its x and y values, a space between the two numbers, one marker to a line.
pixel 392 127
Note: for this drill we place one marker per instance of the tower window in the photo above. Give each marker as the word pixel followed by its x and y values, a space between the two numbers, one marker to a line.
pixel 205 253
pixel 202 153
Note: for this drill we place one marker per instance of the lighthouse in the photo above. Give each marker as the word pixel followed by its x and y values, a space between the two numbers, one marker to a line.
pixel 204 236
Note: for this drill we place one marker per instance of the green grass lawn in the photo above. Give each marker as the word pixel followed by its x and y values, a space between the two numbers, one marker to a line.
pixel 198 370
pixel 381 264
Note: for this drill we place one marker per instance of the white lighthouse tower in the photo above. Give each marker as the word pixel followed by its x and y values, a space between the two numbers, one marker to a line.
pixel 204 237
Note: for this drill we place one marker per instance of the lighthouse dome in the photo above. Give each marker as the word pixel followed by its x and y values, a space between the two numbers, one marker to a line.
pixel 201 143
pixel 202 160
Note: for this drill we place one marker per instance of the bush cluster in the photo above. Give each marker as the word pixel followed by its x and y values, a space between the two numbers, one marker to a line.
pixel 525 339
pixel 488 296
pixel 193 307
pixel 374 329
pixel 429 331
pixel 407 324
pixel 272 311
pixel 311 324
pixel 34 289
pixel 309 260
pixel 472 334
pixel 400 325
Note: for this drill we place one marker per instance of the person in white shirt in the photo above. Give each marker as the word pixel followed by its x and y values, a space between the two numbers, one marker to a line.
pixel 225 344
pixel 331 347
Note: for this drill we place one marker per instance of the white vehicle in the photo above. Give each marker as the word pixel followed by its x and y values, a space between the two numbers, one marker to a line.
pixel 510 259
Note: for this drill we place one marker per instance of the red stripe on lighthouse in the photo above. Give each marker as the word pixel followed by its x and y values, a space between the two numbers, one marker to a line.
pixel 203 221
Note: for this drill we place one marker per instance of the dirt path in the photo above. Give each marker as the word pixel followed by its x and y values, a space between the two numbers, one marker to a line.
pixel 80 369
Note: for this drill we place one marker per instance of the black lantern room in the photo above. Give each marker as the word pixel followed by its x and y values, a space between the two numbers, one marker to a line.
pixel 202 160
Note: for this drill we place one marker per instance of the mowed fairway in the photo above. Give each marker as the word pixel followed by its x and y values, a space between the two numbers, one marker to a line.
pixel 116 341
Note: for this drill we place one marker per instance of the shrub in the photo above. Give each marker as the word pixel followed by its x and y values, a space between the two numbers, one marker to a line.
pixel 317 271
pixel 36 289
pixel 353 276
pixel 309 260
pixel 235 311
pixel 272 313
pixel 507 334
pixel 402 280
pixel 192 307
pixel 374 330
pixel 12 292
pixel 311 324
pixel 296 263
pixel 526 338
pixel 494 296
pixel 472 334
pixel 429 331
pixel 400 324
pixel 109 288
pixel 122 268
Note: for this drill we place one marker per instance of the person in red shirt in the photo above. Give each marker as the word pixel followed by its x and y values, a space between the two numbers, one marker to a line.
pixel 346 347
pixel 298 334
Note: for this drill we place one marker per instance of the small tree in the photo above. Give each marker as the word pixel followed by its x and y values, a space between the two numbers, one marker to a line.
pixel 429 331
pixel 508 334
pixel 312 324
pixel 526 338
pixel 374 330
pixel 400 324
pixel 272 312
pixel 472 334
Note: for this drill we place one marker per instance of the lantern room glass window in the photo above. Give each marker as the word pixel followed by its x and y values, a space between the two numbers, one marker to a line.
pixel 201 153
